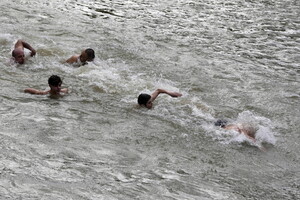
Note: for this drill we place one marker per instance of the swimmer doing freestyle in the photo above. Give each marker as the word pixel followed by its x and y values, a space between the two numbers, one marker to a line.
pixel 245 129
pixel 146 100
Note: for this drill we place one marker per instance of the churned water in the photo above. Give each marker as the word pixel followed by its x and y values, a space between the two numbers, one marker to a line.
pixel 236 60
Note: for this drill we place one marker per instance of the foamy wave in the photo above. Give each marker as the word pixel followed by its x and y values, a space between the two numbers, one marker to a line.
pixel 262 125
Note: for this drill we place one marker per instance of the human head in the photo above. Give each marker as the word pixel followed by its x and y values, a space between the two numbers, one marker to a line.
pixel 87 55
pixel 18 55
pixel 55 83
pixel 221 122
pixel 144 99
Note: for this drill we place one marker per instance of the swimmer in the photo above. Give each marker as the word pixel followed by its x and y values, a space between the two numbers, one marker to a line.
pixel 247 130
pixel 18 52
pixel 86 55
pixel 147 100
pixel 55 87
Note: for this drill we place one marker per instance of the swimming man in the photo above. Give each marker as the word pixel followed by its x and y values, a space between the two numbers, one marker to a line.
pixel 18 52
pixel 247 130
pixel 147 100
pixel 55 87
pixel 86 55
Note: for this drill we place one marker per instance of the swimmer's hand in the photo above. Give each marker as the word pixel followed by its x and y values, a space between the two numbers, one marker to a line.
pixel 33 52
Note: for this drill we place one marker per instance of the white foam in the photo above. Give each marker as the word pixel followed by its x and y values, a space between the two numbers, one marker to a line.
pixel 263 126
pixel 265 134
pixel 6 37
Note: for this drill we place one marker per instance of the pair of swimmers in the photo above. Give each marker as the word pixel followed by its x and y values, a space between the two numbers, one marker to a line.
pixel 55 83
pixel 18 54
pixel 249 131
pixel 146 100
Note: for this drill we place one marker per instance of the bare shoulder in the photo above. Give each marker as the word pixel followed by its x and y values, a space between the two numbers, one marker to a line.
pixel 72 59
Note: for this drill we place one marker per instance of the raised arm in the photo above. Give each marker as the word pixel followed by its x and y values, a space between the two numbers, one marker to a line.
pixel 162 91
pixel 23 44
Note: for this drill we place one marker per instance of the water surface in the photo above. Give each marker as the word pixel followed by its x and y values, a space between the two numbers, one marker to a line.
pixel 236 60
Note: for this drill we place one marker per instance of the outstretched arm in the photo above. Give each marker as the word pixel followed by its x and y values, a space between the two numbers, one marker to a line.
pixel 22 44
pixel 34 91
pixel 162 91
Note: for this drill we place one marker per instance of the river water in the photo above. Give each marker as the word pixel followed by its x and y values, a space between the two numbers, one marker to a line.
pixel 236 60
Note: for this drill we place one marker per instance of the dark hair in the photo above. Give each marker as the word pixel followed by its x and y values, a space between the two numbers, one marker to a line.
pixel 54 80
pixel 90 53
pixel 13 53
pixel 221 122
pixel 143 99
